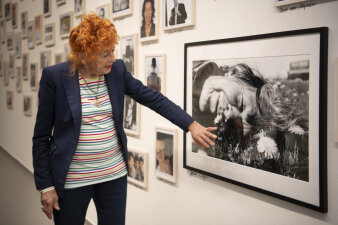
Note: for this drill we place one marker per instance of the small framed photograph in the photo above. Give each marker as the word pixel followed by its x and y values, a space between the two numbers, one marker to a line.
pixel 131 117
pixel 24 19
pixel 128 45
pixel 18 79
pixel 9 99
pixel 45 58
pixel 38 29
pixel 30 34
pixel 138 167
pixel 49 33
pixel 6 75
pixel 3 31
pixel 155 72
pixel 8 11
pixel 1 66
pixel 33 76
pixel 178 14
pixel 18 44
pixel 149 21
pixel 60 2
pixel 66 24
pixel 14 15
pixel 25 66
pixel 10 40
pixel 1 9
pixel 11 65
pixel 103 11
pixel 166 154
pixel 79 7
pixel 27 105
pixel 47 8
pixel 287 2
pixel 122 8
pixel 58 58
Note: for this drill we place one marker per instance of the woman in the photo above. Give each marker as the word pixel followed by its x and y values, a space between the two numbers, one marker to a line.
pixel 79 145
pixel 148 12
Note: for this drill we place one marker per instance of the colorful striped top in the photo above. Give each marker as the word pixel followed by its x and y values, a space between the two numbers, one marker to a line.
pixel 98 157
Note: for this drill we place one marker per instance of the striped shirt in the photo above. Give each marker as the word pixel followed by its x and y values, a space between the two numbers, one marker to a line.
pixel 98 157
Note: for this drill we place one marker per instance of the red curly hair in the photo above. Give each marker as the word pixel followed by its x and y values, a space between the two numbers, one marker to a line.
pixel 91 36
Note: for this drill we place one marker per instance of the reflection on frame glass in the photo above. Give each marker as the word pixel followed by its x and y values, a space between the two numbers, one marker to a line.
pixel 131 116
pixel 66 24
pixel 138 167
pixel 149 22
pixel 27 105
pixel 49 33
pixel 166 154
pixel 121 8
pixel 178 14
pixel 9 99
pixel 155 72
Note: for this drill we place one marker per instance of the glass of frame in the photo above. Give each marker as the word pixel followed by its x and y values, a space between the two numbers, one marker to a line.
pixel 49 33
pixel 9 99
pixel 33 76
pixel 131 116
pixel 166 154
pixel 103 11
pixel 30 34
pixel 266 142
pixel 178 14
pixel 25 66
pixel 155 72
pixel 128 47
pixel 11 68
pixel 24 19
pixel 27 105
pixel 138 167
pixel 149 21
pixel 18 44
pixel 121 8
pixel 45 59
pixel 79 7
pixel 14 15
pixel 47 8
pixel 66 24
pixel 38 29
pixel 18 79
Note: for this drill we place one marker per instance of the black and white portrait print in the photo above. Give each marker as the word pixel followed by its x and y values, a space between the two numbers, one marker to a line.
pixel 128 52
pixel 130 108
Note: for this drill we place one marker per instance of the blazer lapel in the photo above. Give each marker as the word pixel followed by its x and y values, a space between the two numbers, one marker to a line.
pixel 112 91
pixel 72 89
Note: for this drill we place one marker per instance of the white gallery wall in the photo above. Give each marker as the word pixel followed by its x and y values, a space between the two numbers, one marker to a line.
pixel 195 199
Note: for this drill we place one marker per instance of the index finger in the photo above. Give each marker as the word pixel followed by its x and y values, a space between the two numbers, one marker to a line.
pixel 49 211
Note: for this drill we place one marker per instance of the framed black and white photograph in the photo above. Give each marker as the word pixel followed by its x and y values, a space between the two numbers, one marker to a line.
pixel 30 34
pixel 66 24
pixel 60 2
pixel 131 117
pixel 155 70
pixel 45 59
pixel 5 74
pixel 38 25
pixel 10 40
pixel 288 2
pixel 79 7
pixel 8 11
pixel 138 167
pixel 33 78
pixel 178 14
pixel 14 15
pixel 24 20
pixel 27 105
pixel 149 21
pixel 17 47
pixel 251 88
pixel 166 154
pixel 9 99
pixel 103 11
pixel 47 8
pixel 122 8
pixel 18 79
pixel 58 58
pixel 49 35
pixel 25 66
pixel 11 65
pixel 3 31
pixel 128 47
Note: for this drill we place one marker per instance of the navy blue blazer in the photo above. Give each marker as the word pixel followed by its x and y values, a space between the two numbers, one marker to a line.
pixel 58 119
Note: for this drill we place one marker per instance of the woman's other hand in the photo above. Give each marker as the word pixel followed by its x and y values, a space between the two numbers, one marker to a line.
pixel 201 135
pixel 49 200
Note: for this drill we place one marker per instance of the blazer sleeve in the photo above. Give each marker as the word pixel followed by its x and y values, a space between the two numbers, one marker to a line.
pixel 43 132
pixel 156 101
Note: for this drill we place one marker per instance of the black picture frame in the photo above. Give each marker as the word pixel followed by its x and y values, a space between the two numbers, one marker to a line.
pixel 252 158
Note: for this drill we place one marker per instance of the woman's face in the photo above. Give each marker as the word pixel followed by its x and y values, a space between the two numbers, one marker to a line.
pixel 160 151
pixel 101 64
pixel 131 162
pixel 148 11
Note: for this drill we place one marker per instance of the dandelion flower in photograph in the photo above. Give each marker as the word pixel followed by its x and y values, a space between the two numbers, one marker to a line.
pixel 267 146
pixel 296 130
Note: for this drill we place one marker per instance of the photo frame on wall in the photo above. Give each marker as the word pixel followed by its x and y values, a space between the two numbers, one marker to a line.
pixel 103 11
pixel 138 167
pixel 3 31
pixel 10 40
pixel 49 35
pixel 121 8
pixel 18 79
pixel 271 75
pixel 149 21
pixel 166 154
pixel 131 117
pixel 27 105
pixel 5 75
pixel 18 44
pixel 155 72
pixel 58 58
pixel 1 8
pixel 38 25
pixel 60 2
pixel 30 34
pixel 11 65
pixel 178 14
pixel 9 99
pixel 8 11
pixel 66 24
pixel 45 59
pixel 79 7
pixel 24 19
pixel 47 8
pixel 287 2
pixel 14 15
pixel 25 66
pixel 33 76
pixel 128 49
